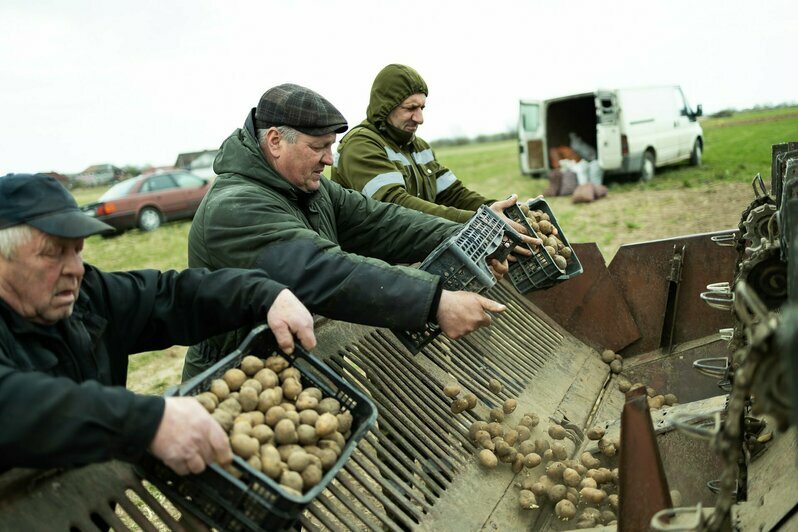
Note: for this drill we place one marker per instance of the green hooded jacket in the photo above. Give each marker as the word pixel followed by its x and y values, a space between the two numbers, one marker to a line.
pixel 395 166
pixel 329 247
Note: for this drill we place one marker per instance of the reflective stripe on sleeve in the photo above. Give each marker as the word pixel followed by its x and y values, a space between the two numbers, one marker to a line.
pixel 423 157
pixel 396 156
pixel 381 180
pixel 445 181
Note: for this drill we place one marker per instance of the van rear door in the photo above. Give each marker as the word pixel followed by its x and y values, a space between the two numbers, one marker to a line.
pixel 608 130
pixel 531 138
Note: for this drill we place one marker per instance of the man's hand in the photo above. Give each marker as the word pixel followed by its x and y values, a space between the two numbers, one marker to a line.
pixel 287 318
pixel 498 207
pixel 460 313
pixel 188 438
pixel 499 268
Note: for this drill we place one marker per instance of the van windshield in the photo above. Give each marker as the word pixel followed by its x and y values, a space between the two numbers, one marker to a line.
pixel 530 117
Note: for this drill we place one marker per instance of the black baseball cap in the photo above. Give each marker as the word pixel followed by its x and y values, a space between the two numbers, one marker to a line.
pixel 42 202
pixel 299 108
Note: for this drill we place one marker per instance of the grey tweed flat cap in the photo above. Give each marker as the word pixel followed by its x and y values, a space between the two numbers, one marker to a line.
pixel 299 108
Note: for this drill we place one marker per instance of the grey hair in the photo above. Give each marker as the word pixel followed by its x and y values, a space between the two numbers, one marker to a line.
pixel 12 238
pixel 288 133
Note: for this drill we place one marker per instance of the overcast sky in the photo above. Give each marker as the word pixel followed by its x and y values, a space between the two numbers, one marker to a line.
pixel 137 82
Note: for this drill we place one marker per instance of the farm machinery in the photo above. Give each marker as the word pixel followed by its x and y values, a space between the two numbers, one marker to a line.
pixel 710 319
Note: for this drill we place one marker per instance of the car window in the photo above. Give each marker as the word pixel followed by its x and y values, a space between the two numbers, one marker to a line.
pixel 118 191
pixel 158 182
pixel 188 181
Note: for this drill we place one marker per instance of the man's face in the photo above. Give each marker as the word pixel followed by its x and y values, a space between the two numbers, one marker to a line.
pixel 303 161
pixel 42 279
pixel 409 114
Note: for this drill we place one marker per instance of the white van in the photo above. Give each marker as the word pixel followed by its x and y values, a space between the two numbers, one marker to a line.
pixel 633 130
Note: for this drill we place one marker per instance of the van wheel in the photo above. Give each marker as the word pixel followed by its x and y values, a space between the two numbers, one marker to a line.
pixel 697 155
pixel 149 219
pixel 649 166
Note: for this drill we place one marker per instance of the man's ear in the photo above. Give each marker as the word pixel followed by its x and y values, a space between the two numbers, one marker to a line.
pixel 271 144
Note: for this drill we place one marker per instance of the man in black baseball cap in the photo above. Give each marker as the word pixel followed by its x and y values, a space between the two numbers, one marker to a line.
pixel 42 202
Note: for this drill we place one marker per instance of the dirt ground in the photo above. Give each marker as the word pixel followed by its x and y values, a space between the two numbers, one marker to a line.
pixel 638 216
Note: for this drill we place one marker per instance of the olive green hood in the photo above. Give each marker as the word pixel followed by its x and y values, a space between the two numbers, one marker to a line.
pixel 392 85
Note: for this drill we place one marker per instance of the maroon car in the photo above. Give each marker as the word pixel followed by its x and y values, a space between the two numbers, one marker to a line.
pixel 149 200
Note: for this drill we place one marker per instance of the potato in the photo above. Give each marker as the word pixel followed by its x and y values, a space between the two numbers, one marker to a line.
pixel 244 445
pixel 274 415
pixel 511 436
pixel 248 399
pixel 488 459
pixel 220 389
pixel 593 495
pixel 290 373
pixel 494 385
pixel 518 463
pixel 588 482
pixel 270 397
pixel 306 402
pixel 241 427
pixel 509 406
pixel 276 363
pixel 624 385
pixel 532 460
pixel 524 433
pixel 270 461
pixel 292 480
pixel 527 500
pixel 555 470
pixel 451 390
pixel 613 501
pixel 559 451
pixel 329 405
pixel 476 427
pixel 539 489
pixel 607 356
pixel 230 404
pixel 308 417
pixel 458 406
pixel 495 429
pixel 254 384
pixel 670 399
pixel 545 227
pixel 471 399
pixel 345 421
pixel 311 476
pixel 496 414
pixel 251 365
pixel 616 366
pixel 285 432
pixel 566 252
pixel 267 378
pixel 291 388
pixel 262 433
pixel 565 509
pixel 298 461
pixel 234 378
pixel 570 477
pixel 595 433
pixel 556 492
pixel 530 420
pixel 326 425
pixel 541 445
pixel 557 432
pixel 223 418
pixel 306 434
pixel 205 399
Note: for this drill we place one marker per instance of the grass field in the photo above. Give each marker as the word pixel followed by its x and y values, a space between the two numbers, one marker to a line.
pixel 679 200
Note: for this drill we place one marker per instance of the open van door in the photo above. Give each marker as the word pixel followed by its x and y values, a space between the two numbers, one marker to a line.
pixel 608 130
pixel 531 141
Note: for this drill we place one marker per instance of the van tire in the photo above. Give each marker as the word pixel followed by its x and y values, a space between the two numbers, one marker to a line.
pixel 649 166
pixel 697 155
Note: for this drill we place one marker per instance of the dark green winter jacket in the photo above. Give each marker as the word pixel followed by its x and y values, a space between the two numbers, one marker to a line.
pixel 330 247
pixel 395 166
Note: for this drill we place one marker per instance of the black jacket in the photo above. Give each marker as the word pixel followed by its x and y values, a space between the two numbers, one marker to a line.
pixel 62 395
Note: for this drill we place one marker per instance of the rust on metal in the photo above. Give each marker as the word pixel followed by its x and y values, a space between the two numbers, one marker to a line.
pixel 590 306
pixel 641 271
pixel 643 488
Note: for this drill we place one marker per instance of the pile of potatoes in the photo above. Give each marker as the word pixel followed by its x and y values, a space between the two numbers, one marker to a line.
pixel 540 222
pixel 290 433
pixel 655 400
pixel 583 489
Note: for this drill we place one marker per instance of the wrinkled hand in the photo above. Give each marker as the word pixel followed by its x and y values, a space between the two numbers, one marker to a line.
pixel 188 439
pixel 460 313
pixel 287 318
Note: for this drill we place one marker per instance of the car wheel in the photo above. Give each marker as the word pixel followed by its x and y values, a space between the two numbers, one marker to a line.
pixel 649 166
pixel 149 219
pixel 696 157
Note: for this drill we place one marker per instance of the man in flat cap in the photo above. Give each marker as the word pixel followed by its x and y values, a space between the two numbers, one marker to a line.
pixel 67 329
pixel 270 208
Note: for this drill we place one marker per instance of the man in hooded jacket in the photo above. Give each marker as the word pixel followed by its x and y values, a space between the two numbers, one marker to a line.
pixel 271 208
pixel 383 158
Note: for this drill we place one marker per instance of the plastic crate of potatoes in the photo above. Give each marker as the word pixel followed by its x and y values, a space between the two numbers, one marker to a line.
pixel 554 261
pixel 292 422
pixel 462 263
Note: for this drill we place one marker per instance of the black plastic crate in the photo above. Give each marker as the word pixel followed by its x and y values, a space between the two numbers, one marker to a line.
pixel 539 271
pixel 462 263
pixel 254 501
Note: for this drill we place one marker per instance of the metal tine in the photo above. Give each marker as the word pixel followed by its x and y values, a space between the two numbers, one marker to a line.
pixel 664 520
pixel 524 358
pixel 539 342
pixel 323 516
pixel 307 524
pixel 725 385
pixel 718 300
pixel 436 410
pixel 408 514
pixel 137 516
pixel 726 334
pixel 356 492
pixel 152 503
pixel 726 240
pixel 410 417
pixel 696 425
pixel 528 314
pixel 341 513
pixel 389 473
pixel 708 366
pixel 714 486
pixel 722 286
